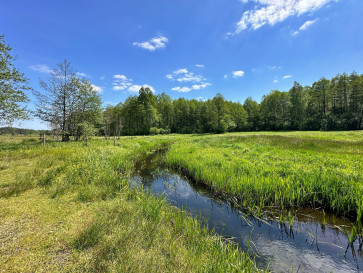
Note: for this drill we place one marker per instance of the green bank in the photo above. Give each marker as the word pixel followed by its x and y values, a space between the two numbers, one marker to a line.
pixel 66 207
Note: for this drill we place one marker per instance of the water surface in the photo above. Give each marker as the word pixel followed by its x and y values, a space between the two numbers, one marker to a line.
pixel 307 246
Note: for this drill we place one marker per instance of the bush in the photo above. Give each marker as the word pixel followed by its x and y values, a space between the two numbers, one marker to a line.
pixel 154 131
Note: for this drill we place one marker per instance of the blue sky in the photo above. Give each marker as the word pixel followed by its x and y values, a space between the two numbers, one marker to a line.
pixel 186 48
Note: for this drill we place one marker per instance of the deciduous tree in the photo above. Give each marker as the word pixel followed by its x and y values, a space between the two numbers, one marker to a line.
pixel 13 86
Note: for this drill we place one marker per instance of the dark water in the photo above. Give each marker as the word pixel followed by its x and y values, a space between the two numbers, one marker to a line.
pixel 306 247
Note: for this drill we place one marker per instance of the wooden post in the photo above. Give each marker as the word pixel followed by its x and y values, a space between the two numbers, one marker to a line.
pixel 43 139
pixel 114 140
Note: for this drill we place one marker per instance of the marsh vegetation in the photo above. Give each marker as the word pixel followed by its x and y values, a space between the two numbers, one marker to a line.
pixel 67 206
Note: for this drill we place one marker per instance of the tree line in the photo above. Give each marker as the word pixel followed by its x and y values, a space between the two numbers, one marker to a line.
pixel 22 131
pixel 335 104
pixel 72 107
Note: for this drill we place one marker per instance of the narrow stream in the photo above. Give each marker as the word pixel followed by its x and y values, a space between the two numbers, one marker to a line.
pixel 308 247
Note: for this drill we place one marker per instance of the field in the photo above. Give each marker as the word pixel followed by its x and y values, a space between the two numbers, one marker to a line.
pixel 279 170
pixel 67 207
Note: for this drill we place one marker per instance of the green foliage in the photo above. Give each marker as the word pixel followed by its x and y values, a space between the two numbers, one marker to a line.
pixel 86 109
pixel 154 131
pixel 296 106
pixel 279 170
pixel 13 86
pixel 67 102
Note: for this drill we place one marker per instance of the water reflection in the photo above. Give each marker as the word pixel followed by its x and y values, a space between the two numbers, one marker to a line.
pixel 305 246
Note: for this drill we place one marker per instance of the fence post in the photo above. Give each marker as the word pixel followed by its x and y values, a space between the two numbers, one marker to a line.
pixel 43 139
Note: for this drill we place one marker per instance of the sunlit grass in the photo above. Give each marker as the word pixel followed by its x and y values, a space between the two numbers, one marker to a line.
pixel 280 170
pixel 68 207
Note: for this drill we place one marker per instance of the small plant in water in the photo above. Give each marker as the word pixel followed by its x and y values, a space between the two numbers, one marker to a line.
pixel 351 236
pixel 323 220
pixel 291 219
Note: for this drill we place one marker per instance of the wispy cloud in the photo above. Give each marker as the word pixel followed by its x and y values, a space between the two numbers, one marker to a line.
pixel 158 42
pixel 43 68
pixel 121 82
pixel 271 12
pixel 238 74
pixel 102 78
pixel 305 26
pixel 185 89
pixel 201 86
pixel 80 74
pixel 286 76
pixel 98 89
pixel 199 65
pixel 274 67
pixel 181 89
pixel 183 75
pixel 276 81
pixel 136 88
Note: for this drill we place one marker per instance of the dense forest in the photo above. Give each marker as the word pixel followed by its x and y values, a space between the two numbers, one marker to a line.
pixel 335 104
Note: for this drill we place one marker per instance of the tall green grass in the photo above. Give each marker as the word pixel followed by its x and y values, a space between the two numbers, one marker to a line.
pixel 68 207
pixel 279 170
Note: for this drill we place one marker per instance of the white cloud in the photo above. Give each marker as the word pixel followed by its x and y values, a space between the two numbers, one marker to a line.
pixel 120 77
pixel 183 75
pixel 118 88
pixel 121 82
pixel 225 76
pixel 238 73
pixel 287 76
pixel 180 71
pixel 194 87
pixel 43 68
pixel 136 88
pixel 181 89
pixel 158 42
pixel 102 78
pixel 80 74
pixel 97 88
pixel 305 26
pixel 274 11
pixel 274 67
pixel 276 81
pixel 201 86
pixel 199 65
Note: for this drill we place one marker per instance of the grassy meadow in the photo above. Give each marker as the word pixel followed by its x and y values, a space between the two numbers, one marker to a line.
pixel 278 169
pixel 66 207
pixel 69 207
